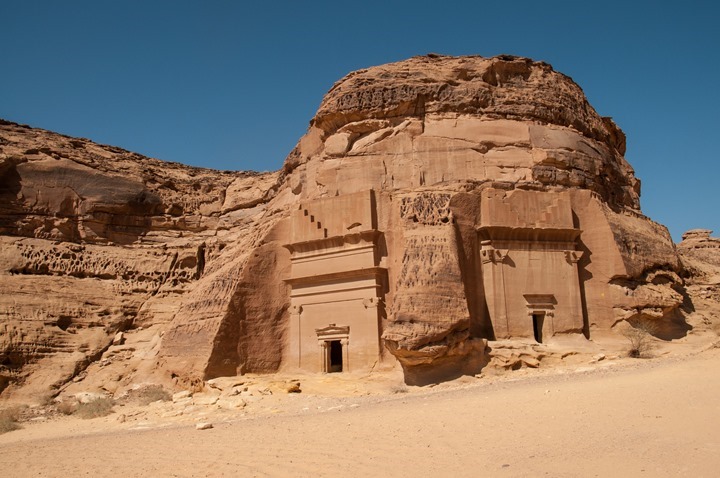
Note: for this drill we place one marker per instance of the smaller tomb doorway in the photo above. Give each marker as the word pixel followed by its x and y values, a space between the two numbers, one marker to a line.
pixel 334 344
pixel 541 309
pixel 538 319
pixel 335 356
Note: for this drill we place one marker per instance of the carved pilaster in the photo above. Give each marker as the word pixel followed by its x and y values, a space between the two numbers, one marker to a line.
pixel 494 283
pixel 323 356
pixel 572 257
pixel 487 252
pixel 294 352
pixel 490 254
pixel 346 354
pixel 373 302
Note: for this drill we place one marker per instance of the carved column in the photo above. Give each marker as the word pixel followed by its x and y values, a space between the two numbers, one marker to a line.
pixel 372 308
pixel 294 345
pixel 323 356
pixel 346 354
pixel 573 257
pixel 494 285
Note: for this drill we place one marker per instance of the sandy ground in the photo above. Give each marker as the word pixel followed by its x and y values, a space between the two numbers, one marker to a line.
pixel 657 417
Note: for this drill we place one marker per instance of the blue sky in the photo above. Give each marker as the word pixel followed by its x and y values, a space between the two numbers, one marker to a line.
pixel 232 85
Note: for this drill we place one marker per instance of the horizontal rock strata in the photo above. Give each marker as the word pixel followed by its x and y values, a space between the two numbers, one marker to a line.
pixel 433 205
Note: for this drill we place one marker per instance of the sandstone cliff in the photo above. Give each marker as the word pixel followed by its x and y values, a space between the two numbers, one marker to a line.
pixel 499 197
pixel 434 132
pixel 97 240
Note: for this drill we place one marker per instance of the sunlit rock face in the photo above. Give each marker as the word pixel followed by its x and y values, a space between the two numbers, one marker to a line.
pixel 505 204
pixel 433 120
pixel 435 204
pixel 700 255
pixel 95 240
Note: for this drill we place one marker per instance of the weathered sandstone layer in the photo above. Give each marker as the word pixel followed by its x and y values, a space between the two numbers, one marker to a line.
pixel 503 151
pixel 700 255
pixel 435 204
pixel 95 240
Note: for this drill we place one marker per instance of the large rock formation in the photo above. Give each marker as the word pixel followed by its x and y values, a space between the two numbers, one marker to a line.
pixel 96 240
pixel 434 204
pixel 502 151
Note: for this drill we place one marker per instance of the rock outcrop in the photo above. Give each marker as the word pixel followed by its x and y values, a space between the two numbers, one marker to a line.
pixel 700 255
pixel 96 240
pixel 435 135
pixel 435 204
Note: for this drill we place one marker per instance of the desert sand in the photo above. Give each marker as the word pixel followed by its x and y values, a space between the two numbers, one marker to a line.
pixel 622 417
pixel 434 204
pixel 442 217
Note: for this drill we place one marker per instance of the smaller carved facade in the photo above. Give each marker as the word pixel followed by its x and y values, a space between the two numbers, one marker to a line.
pixel 336 302
pixel 529 263
pixel 528 266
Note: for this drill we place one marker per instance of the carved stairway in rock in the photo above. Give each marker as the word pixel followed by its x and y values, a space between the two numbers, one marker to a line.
pixel 318 225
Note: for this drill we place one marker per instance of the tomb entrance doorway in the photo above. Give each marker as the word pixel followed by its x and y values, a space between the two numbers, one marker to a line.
pixel 335 356
pixel 334 343
pixel 538 318
pixel 541 312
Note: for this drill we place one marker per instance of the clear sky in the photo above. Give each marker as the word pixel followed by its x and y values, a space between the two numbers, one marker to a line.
pixel 232 85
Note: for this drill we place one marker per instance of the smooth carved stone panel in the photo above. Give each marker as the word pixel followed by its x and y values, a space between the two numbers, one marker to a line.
pixel 530 264
pixel 336 284
pixel 526 209
pixel 361 346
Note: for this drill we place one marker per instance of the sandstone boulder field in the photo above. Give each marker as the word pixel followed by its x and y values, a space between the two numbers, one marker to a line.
pixel 441 216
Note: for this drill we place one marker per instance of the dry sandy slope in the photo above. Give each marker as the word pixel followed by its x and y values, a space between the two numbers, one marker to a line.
pixel 649 418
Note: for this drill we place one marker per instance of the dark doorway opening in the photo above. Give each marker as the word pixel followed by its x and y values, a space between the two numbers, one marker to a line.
pixel 336 357
pixel 538 319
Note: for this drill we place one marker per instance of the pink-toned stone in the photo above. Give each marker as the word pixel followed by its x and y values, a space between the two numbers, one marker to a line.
pixel 434 204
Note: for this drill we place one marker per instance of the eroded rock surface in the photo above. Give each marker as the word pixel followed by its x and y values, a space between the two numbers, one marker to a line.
pixel 96 240
pixel 434 206
pixel 700 255
pixel 434 134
